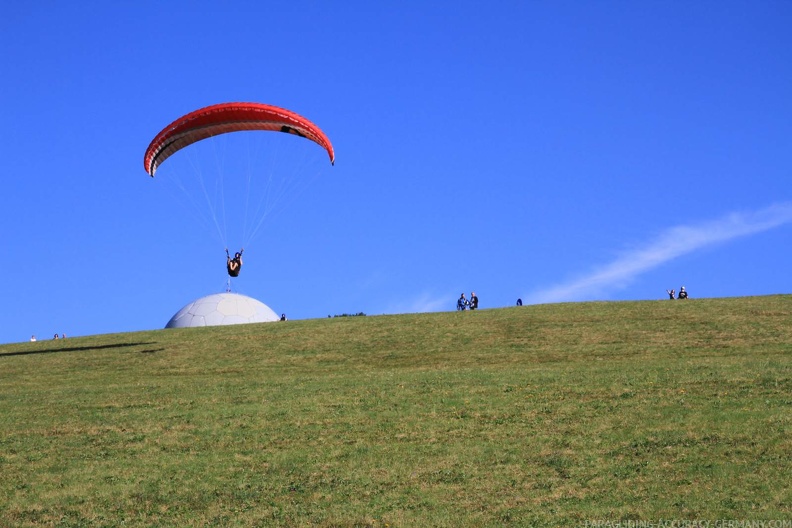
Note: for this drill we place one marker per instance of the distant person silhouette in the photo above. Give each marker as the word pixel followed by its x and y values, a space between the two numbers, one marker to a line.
pixel 473 301
pixel 671 294
pixel 519 302
pixel 234 265
pixel 683 293
pixel 462 303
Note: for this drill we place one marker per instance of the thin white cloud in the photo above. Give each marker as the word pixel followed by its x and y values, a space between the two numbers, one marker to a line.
pixel 424 302
pixel 670 244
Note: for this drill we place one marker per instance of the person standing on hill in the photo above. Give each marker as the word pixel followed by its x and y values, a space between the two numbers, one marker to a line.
pixel 462 303
pixel 473 301
pixel 683 293
pixel 671 294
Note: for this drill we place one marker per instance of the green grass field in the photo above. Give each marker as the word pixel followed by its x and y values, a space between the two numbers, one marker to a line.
pixel 551 415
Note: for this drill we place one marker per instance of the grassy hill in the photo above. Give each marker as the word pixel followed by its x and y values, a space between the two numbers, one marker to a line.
pixel 538 415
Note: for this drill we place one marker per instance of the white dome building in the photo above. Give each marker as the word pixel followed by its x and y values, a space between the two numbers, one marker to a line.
pixel 222 309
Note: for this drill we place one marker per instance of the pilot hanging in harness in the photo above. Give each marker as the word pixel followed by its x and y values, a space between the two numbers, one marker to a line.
pixel 234 264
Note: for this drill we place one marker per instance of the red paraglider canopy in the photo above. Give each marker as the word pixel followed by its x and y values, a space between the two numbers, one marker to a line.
pixel 229 117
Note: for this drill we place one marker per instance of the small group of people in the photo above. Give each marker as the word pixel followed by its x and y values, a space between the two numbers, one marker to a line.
pixel 672 294
pixel 467 304
pixel 56 336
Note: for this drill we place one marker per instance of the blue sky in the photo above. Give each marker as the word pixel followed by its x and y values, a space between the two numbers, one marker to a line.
pixel 553 151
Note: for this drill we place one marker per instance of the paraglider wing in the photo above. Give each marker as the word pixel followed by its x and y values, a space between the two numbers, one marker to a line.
pixel 229 117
